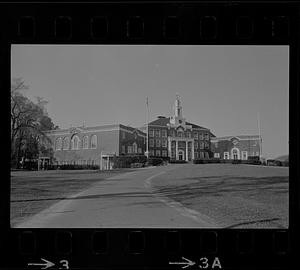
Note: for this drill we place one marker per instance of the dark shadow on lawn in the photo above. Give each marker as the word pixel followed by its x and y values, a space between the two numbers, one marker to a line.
pixel 96 196
pixel 207 186
pixel 255 222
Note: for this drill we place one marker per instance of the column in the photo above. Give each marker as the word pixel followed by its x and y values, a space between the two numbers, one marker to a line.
pixel 169 147
pixel 193 152
pixel 101 162
pixel 108 165
pixel 186 151
pixel 176 149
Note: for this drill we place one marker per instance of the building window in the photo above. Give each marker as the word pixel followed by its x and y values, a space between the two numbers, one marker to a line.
pixel 123 135
pixel 164 133
pixel 134 148
pixel 217 155
pixel 151 143
pixel 173 133
pixel 129 149
pixel 85 142
pixel 188 134
pixel 201 145
pixel 94 142
pixel 195 135
pixel 164 153
pixel 216 144
pixel 201 154
pixel 226 155
pixel 164 143
pixel 151 133
pixel 75 142
pixel 139 150
pixel 157 133
pixel 244 155
pixel 206 145
pixel 196 154
pixel 157 153
pixel 206 155
pixel 180 134
pixel 66 143
pixel 196 145
pixel 151 153
pixel 123 149
pixel 257 154
pixel 201 136
pixel 157 143
pixel 173 154
pixel 58 144
pixel 206 136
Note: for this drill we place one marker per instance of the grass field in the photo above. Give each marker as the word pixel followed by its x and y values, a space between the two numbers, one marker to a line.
pixel 236 196
pixel 34 191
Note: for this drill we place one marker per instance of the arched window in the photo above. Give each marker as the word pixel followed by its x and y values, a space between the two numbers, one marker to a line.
pixel 94 141
pixel 66 143
pixel 58 144
pixel 134 148
pixel 85 142
pixel 75 142
pixel 180 134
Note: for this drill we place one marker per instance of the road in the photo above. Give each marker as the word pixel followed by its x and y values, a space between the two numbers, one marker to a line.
pixel 176 196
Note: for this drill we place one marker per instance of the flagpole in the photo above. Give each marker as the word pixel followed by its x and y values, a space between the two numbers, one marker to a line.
pixel 147 129
pixel 260 139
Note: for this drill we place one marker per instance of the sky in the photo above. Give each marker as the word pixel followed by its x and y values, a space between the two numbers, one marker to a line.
pixel 222 88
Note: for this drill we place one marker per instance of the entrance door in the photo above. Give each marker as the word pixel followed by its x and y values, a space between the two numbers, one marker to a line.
pixel 181 155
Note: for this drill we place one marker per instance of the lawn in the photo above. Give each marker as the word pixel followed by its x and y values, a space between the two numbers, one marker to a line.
pixel 236 196
pixel 34 191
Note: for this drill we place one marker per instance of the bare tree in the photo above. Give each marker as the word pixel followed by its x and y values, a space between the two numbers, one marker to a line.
pixel 29 122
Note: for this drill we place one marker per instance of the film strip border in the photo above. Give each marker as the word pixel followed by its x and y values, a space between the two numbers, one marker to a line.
pixel 153 249
pixel 149 23
pixel 76 23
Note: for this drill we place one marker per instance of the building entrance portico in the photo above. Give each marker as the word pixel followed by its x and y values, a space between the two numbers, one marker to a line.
pixel 179 149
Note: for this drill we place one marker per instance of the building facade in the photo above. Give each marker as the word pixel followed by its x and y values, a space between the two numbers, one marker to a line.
pixel 175 138
pixel 95 145
pixel 236 147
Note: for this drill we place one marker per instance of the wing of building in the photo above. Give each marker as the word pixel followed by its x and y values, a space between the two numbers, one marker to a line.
pixel 236 147
pixel 176 138
pixel 95 145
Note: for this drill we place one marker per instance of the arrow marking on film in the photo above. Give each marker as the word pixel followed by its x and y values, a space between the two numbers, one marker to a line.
pixel 46 265
pixel 186 264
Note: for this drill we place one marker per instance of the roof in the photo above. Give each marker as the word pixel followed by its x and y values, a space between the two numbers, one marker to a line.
pixel 163 121
pixel 243 137
pixel 86 129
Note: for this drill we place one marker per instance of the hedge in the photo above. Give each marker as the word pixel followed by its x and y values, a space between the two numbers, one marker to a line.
pixel 177 161
pixel 206 161
pixel 226 161
pixel 73 167
pixel 155 161
pixel 126 161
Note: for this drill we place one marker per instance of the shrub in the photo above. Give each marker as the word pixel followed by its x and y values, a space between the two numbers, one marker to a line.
pixel 137 165
pixel 155 161
pixel 206 161
pixel 198 161
pixel 73 167
pixel 126 161
pixel 177 161
pixel 236 161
